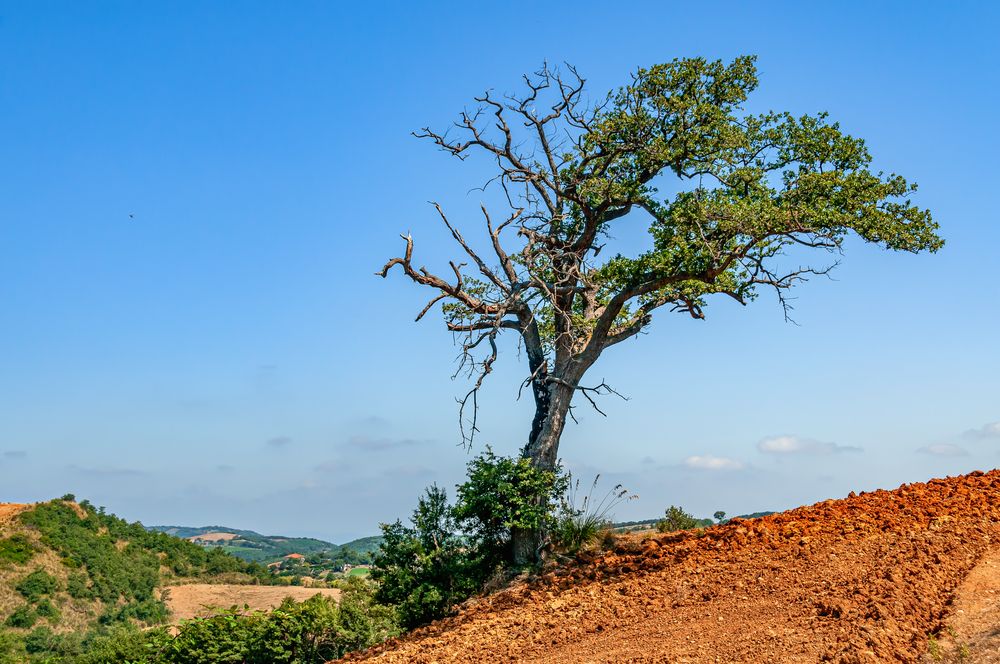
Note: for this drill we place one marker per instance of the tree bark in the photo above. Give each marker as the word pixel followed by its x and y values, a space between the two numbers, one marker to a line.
pixel 552 402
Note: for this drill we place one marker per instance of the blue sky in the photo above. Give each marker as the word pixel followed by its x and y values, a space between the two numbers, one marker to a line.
pixel 194 198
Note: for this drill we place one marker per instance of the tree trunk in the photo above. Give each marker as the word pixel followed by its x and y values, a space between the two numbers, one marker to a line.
pixel 551 409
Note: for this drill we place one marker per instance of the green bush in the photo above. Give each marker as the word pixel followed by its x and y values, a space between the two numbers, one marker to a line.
pixel 124 642
pixel 23 617
pixel 502 494
pixel 37 584
pixel 425 569
pixel 11 648
pixel 46 609
pixel 676 519
pixel 76 586
pixel 448 553
pixel 16 549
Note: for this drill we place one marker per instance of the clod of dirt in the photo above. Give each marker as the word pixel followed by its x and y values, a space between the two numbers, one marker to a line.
pixel 865 579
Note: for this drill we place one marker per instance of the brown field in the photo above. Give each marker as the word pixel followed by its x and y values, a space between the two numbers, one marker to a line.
pixel 214 537
pixel 910 575
pixel 198 599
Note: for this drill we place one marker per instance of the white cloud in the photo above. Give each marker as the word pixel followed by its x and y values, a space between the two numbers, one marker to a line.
pixel 799 445
pixel 943 450
pixel 709 462
pixel 991 430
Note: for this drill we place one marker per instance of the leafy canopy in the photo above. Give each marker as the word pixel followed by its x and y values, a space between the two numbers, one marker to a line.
pixel 731 199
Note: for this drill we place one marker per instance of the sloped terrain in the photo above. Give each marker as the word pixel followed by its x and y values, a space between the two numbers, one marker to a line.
pixel 869 578
pixel 69 567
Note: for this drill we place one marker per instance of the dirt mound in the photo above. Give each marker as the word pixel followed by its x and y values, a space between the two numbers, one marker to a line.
pixel 865 579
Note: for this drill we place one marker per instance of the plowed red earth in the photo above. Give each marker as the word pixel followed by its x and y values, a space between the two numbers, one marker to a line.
pixel 865 579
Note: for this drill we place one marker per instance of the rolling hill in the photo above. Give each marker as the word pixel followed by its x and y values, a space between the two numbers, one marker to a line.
pixel 69 568
pixel 254 547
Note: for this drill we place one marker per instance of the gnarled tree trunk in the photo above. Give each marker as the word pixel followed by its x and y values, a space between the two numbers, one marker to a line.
pixel 552 402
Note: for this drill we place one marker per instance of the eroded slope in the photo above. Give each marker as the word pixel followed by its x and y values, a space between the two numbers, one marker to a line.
pixel 863 579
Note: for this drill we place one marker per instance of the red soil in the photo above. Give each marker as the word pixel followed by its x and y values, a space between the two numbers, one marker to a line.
pixel 865 579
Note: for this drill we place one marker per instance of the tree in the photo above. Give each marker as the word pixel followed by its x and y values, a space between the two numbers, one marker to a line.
pixel 676 518
pixel 755 193
pixel 719 516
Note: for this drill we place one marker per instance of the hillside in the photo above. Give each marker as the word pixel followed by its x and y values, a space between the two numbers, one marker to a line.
pixel 69 567
pixel 869 578
pixel 247 544
pixel 254 547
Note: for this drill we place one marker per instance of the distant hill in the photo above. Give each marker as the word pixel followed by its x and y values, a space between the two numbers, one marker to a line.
pixel 71 568
pixel 645 524
pixel 249 545
pixel 252 546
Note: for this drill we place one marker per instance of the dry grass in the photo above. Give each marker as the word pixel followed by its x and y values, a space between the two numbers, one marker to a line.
pixel 199 599
pixel 213 537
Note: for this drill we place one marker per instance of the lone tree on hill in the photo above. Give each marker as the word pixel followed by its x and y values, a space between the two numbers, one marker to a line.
pixel 753 188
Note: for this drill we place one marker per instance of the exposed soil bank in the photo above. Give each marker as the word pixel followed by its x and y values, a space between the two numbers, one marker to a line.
pixel 865 579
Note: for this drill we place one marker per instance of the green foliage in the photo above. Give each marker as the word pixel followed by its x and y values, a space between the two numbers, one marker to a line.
pixel 76 586
pixel 46 609
pixel 11 648
pixel 676 519
pixel 118 562
pixel 426 569
pixel 16 549
pixel 502 494
pixel 310 632
pixel 719 516
pixel 749 193
pixel 37 584
pixel 23 617
pixel 448 552
pixel 122 643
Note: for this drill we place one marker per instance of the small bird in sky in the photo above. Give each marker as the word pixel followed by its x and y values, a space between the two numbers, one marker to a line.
pixel 131 216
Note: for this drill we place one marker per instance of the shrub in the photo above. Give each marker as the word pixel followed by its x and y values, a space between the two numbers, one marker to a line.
pixel 122 643
pixel 425 569
pixel 581 527
pixel 502 494
pixel 23 617
pixel 362 620
pixel 41 639
pixel 45 609
pixel 676 519
pixel 16 549
pixel 37 584
pixel 11 648
pixel 76 586
pixel 310 632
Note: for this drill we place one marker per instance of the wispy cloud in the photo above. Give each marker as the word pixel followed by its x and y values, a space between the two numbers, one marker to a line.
pixel 15 454
pixel 943 450
pixel 799 445
pixel 375 421
pixel 279 441
pixel 709 462
pixel 225 468
pixel 382 444
pixel 108 471
pixel 985 432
